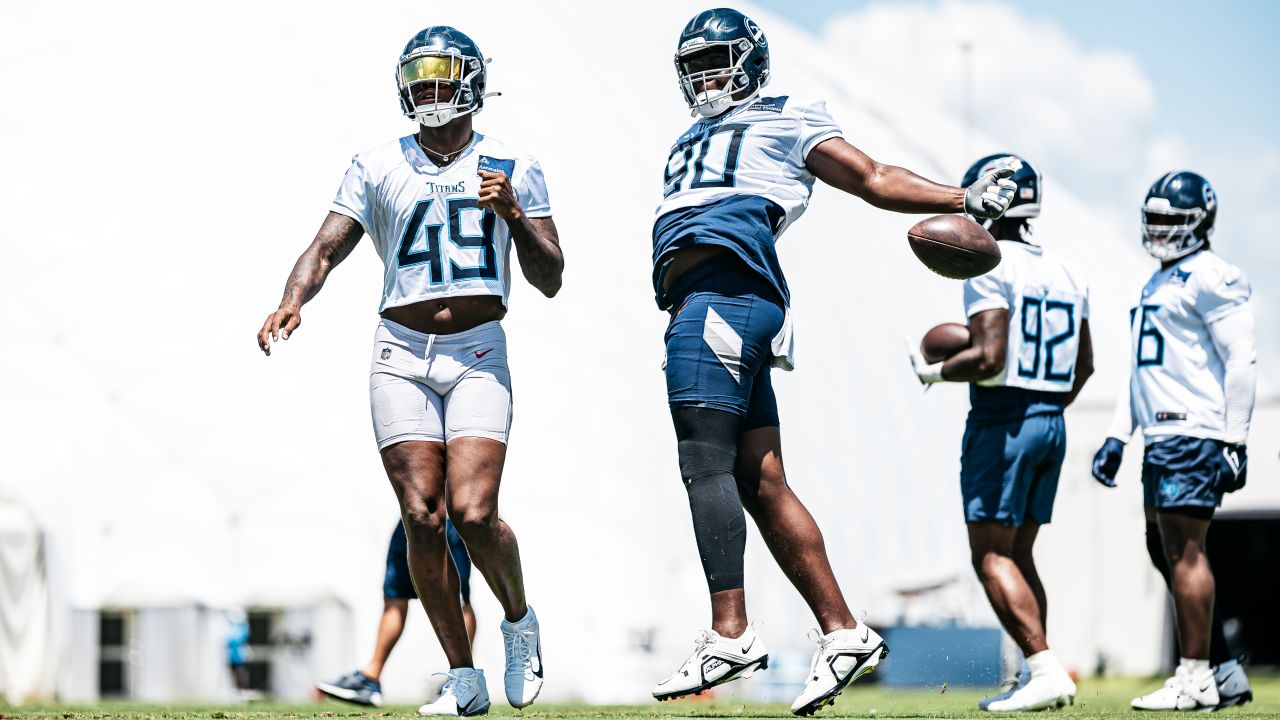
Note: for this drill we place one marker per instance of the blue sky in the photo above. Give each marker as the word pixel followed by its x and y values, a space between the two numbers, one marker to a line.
pixel 1212 64
pixel 1104 96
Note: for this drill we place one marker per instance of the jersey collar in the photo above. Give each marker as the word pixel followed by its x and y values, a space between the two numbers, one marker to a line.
pixel 420 162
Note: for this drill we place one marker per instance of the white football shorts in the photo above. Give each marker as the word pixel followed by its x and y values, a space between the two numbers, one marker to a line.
pixel 439 387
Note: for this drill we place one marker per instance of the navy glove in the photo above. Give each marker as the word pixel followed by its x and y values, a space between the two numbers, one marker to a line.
pixel 1106 463
pixel 1235 466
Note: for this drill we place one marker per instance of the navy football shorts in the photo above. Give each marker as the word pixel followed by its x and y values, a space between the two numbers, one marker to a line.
pixel 399 585
pixel 719 342
pixel 1182 472
pixel 1009 471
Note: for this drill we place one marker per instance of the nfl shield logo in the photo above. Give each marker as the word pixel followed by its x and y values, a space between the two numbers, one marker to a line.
pixel 386 353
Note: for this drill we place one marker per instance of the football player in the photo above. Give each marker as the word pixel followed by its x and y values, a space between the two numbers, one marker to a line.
pixel 1193 368
pixel 1029 356
pixel 364 686
pixel 444 206
pixel 734 181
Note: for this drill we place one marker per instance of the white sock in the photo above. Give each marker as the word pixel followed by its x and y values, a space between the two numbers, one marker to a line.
pixel 1195 668
pixel 1043 663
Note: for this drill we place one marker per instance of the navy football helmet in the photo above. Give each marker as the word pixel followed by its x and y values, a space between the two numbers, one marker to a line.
pixel 1026 199
pixel 1178 215
pixel 721 44
pixel 443 57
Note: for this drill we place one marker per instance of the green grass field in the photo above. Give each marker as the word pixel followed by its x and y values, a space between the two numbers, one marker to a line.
pixel 1097 699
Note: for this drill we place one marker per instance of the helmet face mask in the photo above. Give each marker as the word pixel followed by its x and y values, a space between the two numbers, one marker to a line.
pixel 721 62
pixel 1178 215
pixel 703 64
pixel 440 77
pixel 1169 233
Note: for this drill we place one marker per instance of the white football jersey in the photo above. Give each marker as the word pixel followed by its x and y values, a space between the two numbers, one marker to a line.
pixel 1176 380
pixel 1046 305
pixel 433 239
pixel 757 148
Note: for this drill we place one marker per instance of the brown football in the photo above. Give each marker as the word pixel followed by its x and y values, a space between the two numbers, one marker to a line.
pixel 943 341
pixel 954 246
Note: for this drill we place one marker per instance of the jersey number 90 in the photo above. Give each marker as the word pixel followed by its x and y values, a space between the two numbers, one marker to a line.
pixel 713 157
pixel 430 251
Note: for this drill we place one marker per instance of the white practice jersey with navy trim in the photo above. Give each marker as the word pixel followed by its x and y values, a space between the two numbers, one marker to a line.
pixel 757 148
pixel 433 239
pixel 1046 305
pixel 1176 385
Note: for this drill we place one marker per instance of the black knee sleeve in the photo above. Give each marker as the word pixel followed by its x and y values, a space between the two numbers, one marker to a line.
pixel 708 446
pixel 1219 651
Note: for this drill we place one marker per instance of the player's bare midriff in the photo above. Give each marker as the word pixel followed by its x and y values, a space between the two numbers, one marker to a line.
pixel 685 259
pixel 447 315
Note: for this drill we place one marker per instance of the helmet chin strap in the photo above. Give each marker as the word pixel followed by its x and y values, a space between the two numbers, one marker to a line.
pixel 713 107
pixel 436 118
pixel 718 104
pixel 444 113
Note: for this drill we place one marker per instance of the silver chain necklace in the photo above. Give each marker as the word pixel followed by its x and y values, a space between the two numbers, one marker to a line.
pixel 445 158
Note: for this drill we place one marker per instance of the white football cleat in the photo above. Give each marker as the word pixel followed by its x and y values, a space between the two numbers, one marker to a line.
pixel 523 678
pixel 1183 691
pixel 1233 684
pixel 1011 686
pixel 464 694
pixel 842 657
pixel 715 660
pixel 1045 692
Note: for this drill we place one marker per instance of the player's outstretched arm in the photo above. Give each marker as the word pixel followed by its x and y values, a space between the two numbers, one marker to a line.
pixel 888 187
pixel 841 165
pixel 1084 361
pixel 537 240
pixel 336 239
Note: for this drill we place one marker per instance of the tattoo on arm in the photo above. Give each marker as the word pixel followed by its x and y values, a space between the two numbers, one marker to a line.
pixel 335 240
pixel 538 248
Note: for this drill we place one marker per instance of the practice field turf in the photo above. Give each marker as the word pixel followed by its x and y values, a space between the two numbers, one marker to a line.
pixel 1097 699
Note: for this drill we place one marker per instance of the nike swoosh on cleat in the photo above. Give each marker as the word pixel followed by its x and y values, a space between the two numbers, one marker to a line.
pixel 866 633
pixel 750 645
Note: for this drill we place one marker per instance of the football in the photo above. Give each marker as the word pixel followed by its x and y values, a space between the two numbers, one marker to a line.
pixel 943 341
pixel 954 246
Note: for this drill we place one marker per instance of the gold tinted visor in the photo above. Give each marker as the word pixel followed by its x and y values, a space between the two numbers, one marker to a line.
pixel 431 67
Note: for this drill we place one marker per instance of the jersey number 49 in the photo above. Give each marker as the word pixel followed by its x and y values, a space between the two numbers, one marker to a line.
pixel 430 251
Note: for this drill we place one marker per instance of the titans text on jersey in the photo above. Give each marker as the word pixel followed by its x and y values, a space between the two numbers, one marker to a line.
pixel 433 239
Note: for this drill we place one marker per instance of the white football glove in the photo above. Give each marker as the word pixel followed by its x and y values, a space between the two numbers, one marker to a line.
pixel 927 374
pixel 990 196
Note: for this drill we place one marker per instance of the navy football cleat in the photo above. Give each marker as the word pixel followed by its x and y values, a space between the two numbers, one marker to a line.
pixel 354 687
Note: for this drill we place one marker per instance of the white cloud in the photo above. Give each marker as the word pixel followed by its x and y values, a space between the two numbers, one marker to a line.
pixel 1031 84
pixel 1089 117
